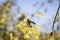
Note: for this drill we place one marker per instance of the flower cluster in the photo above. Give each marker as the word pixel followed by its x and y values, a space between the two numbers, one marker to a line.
pixel 29 32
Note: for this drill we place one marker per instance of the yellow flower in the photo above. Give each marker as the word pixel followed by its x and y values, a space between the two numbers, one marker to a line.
pixel 2 21
pixel 11 36
pixel 31 31
pixel 37 27
pixel 36 37
pixel 16 38
pixel 37 33
pixel 52 38
pixel 24 24
pixel 26 37
pixel 25 20
pixel 19 25
pixel 24 30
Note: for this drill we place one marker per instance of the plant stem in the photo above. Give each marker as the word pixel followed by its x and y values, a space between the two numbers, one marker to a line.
pixel 55 19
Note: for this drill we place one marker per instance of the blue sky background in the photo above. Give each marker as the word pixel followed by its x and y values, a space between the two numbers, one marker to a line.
pixel 26 6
